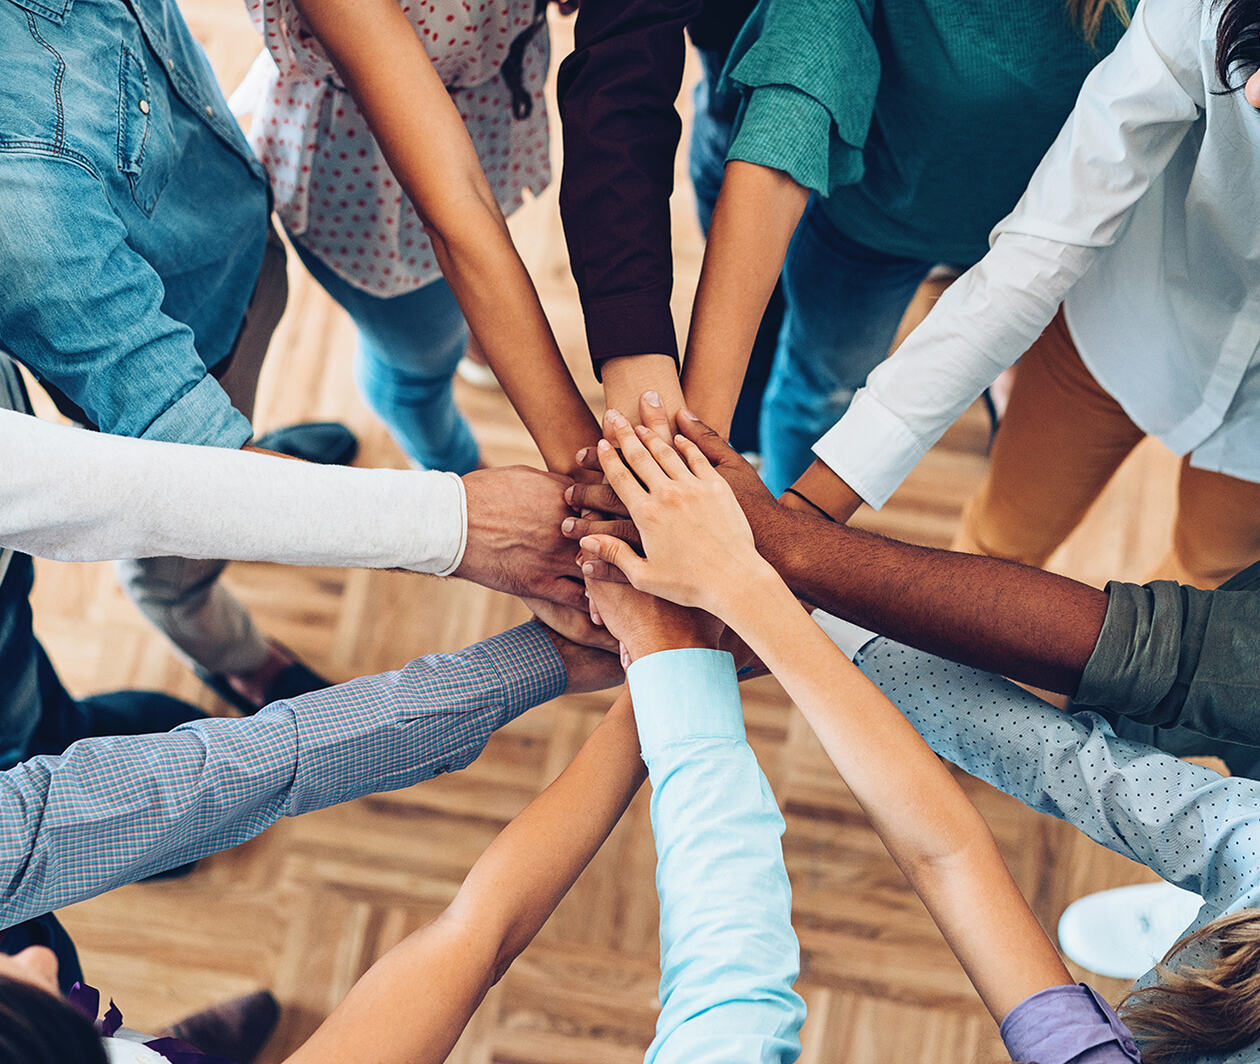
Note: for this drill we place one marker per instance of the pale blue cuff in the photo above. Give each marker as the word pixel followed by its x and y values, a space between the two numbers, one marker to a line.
pixel 202 415
pixel 680 695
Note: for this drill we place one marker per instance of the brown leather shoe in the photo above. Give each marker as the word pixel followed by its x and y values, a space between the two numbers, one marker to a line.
pixel 235 1030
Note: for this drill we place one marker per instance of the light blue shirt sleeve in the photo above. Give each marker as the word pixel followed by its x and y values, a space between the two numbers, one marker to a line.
pixel 729 956
pixel 1197 829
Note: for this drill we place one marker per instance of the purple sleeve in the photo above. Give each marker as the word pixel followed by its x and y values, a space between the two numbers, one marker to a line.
pixel 1068 1024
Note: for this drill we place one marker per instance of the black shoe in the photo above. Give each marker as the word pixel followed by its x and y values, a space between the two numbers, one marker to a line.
pixel 235 1030
pixel 111 713
pixel 322 442
pixel 293 680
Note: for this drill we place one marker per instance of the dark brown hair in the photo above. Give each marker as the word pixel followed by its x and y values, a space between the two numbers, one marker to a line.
pixel 1237 40
pixel 38 1028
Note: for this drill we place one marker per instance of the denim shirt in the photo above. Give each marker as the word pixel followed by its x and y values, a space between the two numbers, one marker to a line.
pixel 133 216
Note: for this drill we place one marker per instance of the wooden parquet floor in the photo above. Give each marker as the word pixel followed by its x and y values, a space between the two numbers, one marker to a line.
pixel 307 907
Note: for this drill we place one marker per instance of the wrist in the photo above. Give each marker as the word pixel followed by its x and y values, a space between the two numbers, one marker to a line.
pixel 740 600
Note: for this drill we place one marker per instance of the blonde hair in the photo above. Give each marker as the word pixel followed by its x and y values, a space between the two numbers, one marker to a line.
pixel 1198 1008
pixel 1087 14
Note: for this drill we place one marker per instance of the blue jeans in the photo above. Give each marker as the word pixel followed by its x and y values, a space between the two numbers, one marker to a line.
pixel 409 346
pixel 37 714
pixel 843 303
pixel 711 129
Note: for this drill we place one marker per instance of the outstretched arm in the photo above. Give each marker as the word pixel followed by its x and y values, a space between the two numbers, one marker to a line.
pixel 387 71
pixel 412 1005
pixel 699 551
pixel 1001 616
pixel 753 222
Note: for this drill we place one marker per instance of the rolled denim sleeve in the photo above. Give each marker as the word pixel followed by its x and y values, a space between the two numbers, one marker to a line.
pixel 729 956
pixel 1173 656
pixel 83 311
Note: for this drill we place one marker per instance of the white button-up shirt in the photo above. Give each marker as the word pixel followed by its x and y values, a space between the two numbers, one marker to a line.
pixel 1144 221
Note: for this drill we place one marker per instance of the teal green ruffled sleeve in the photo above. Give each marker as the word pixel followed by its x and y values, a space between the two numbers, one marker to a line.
pixel 808 71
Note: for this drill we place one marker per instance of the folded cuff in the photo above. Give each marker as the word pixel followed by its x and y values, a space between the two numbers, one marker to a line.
pixel 870 449
pixel 637 323
pixel 786 129
pixel 204 415
pixel 681 695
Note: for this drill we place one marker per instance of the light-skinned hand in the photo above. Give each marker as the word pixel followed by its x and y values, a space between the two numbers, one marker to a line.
pixel 698 546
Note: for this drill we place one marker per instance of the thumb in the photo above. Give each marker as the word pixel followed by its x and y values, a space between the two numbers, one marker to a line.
pixel 711 445
pixel 615 552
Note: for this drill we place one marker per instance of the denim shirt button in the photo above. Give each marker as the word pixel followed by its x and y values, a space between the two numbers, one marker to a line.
pixel 170 64
pixel 209 110
pixel 144 107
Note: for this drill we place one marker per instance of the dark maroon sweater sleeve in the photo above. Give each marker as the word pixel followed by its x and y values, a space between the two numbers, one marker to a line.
pixel 621 130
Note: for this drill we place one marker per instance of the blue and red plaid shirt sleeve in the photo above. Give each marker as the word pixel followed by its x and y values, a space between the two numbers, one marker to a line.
pixel 111 811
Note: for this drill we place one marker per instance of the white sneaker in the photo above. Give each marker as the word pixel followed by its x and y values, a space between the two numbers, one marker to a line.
pixel 476 374
pixel 1121 933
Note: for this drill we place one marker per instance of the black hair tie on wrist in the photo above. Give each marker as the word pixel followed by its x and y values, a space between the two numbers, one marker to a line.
pixel 809 502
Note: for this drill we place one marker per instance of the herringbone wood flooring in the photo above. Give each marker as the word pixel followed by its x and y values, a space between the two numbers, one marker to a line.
pixel 308 906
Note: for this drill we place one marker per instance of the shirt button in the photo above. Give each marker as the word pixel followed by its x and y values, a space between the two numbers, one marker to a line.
pixel 209 110
pixel 170 64
pixel 144 107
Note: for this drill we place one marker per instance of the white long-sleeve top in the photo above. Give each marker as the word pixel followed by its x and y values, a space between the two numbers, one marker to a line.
pixel 76 495
pixel 1143 219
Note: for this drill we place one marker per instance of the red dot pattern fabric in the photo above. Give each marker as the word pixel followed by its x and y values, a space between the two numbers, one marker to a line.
pixel 333 189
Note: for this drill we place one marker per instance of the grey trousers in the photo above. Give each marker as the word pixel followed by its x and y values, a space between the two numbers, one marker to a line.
pixel 182 597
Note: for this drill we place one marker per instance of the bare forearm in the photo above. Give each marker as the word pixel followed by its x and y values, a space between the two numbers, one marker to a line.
pixel 753 222
pixel 419 129
pixel 1030 625
pixel 921 814
pixel 412 1005
pixel 521 878
pixel 629 376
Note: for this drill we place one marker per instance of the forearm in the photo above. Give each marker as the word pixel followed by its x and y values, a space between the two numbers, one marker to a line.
pixel 518 343
pixel 508 895
pixel 626 378
pixel 997 615
pixel 59 500
pixel 387 71
pixel 756 214
pixel 929 826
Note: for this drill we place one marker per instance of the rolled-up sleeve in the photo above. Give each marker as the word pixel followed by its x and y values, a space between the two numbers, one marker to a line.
pixel 1172 656
pixel 132 369
pixel 809 119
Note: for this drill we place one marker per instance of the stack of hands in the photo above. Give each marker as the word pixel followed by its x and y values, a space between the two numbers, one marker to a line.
pixel 662 520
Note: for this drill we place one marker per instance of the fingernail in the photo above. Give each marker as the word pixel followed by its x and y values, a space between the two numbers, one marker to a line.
pixel 588 543
pixel 652 399
pixel 588 568
pixel 616 417
pixel 641 430
pixel 568 524
pixel 568 492
pixel 581 457
pixel 685 412
pixel 604 445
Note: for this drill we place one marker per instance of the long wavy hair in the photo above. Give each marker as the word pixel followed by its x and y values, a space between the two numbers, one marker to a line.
pixel 1087 14
pixel 1208 1003
pixel 1237 41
